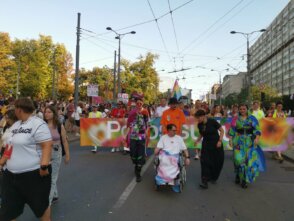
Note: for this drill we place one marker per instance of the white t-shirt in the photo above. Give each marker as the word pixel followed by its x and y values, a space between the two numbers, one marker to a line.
pixel 173 144
pixel 5 137
pixel 26 136
pixel 159 110
pixel 77 113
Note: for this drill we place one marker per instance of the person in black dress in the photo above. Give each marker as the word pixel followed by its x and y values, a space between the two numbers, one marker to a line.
pixel 212 152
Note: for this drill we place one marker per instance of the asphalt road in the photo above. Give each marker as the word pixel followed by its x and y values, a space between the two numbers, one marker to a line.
pixel 102 187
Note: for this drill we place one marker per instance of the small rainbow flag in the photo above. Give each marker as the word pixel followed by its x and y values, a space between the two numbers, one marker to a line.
pixel 176 92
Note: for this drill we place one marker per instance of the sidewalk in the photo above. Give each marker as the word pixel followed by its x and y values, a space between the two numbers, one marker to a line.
pixel 289 155
pixel 71 137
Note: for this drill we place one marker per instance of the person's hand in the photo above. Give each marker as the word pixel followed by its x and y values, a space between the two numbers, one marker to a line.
pixel 256 140
pixel 219 144
pixel 44 172
pixel 196 142
pixel 66 159
pixel 187 161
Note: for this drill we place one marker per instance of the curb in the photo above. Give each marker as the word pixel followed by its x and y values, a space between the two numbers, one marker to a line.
pixel 73 139
pixel 287 158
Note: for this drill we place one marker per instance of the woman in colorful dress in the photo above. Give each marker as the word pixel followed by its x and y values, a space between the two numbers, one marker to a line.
pixel 244 136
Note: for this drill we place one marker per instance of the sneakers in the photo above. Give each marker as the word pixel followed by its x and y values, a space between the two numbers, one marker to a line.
pixel 54 200
pixel 244 184
pixel 237 179
pixel 114 150
pixel 196 157
pixel 203 185
pixel 126 149
pixel 138 179
pixel 138 173
pixel 94 150
pixel 77 135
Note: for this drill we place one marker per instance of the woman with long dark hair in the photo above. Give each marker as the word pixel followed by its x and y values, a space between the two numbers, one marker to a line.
pixel 245 133
pixel 212 152
pixel 58 134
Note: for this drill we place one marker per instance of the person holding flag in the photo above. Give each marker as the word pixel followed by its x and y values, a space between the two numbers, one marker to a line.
pixel 173 115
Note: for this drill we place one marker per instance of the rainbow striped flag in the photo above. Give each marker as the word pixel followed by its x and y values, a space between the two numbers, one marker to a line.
pixel 176 92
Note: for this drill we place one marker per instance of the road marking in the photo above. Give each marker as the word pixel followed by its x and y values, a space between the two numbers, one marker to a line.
pixel 124 196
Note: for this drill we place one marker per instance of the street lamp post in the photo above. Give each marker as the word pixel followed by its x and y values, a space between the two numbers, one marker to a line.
pixel 17 79
pixel 119 36
pixel 249 77
pixel 220 83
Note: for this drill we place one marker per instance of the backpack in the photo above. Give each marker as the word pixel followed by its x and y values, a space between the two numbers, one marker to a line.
pixel 61 142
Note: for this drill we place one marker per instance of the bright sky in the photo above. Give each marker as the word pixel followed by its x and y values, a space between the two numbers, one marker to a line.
pixel 196 36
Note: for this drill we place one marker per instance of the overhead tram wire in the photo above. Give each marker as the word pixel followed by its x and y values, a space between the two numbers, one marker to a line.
pixel 159 30
pixel 158 18
pixel 210 27
pixel 173 23
pixel 221 26
pixel 102 59
pixel 229 53
pixel 147 21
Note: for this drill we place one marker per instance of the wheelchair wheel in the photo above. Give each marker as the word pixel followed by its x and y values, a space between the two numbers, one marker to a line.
pixel 183 175
pixel 181 187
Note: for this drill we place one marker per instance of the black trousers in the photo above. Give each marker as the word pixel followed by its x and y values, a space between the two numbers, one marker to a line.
pixel 212 161
pixel 137 152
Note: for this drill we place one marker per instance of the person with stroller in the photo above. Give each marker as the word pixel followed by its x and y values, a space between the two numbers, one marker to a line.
pixel 168 149
pixel 212 152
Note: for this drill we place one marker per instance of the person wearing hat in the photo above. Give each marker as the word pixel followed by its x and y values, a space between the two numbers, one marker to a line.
pixel 173 115
pixel 95 114
pixel 137 124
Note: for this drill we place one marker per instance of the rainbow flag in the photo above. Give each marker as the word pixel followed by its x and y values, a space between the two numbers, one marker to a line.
pixel 176 92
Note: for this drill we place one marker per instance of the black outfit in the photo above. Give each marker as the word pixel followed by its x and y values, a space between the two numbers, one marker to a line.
pixel 24 188
pixel 212 157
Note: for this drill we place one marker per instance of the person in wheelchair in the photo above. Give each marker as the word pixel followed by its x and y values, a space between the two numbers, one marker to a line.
pixel 170 150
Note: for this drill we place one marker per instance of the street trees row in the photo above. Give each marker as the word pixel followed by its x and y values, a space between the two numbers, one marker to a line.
pixel 266 95
pixel 36 62
pixel 139 76
pixel 46 69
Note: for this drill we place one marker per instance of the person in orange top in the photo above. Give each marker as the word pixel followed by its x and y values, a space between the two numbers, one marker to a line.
pixel 173 115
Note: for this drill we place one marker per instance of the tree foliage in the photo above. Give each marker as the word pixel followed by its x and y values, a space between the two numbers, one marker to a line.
pixel 43 65
pixel 141 76
pixel 36 61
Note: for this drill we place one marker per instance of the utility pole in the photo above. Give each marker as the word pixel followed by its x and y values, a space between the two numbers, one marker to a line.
pixel 77 62
pixel 17 79
pixel 53 75
pixel 221 89
pixel 119 36
pixel 118 70
pixel 114 77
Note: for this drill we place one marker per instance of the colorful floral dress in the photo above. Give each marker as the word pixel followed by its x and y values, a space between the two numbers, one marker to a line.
pixel 246 160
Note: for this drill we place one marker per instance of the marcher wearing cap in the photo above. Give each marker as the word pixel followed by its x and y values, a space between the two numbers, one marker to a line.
pixel 173 115
pixel 138 125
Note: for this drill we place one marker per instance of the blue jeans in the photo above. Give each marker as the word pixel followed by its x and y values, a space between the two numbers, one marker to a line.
pixel 56 161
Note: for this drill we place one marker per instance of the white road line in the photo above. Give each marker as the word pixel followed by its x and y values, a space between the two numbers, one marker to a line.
pixel 124 196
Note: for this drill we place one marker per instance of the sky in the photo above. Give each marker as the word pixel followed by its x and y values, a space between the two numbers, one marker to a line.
pixel 194 36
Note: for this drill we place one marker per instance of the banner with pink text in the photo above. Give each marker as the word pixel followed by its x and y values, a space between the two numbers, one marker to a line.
pixel 277 134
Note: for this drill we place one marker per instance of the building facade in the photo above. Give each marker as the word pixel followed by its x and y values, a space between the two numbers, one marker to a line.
pixel 233 84
pixel 272 55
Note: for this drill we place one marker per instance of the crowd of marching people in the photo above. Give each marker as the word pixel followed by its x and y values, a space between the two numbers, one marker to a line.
pixel 34 142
